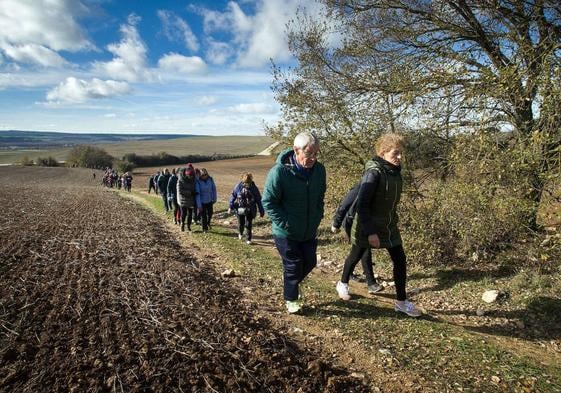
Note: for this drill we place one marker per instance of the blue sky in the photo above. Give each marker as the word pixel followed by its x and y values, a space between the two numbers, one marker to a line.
pixel 134 66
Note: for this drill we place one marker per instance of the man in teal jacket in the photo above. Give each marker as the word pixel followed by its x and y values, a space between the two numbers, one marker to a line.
pixel 293 199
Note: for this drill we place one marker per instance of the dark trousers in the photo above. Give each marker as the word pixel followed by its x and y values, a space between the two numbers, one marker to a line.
pixel 150 187
pixel 176 211
pixel 165 198
pixel 364 254
pixel 298 259
pixel 206 215
pixel 247 223
pixel 397 254
pixel 186 212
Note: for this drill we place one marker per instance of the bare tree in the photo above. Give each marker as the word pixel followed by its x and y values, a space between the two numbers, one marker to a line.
pixel 441 67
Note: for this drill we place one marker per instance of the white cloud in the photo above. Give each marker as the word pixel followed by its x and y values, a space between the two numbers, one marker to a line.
pixel 74 90
pixel 176 29
pixel 257 107
pixel 129 63
pixel 33 31
pixel 207 100
pixel 173 62
pixel 35 54
pixel 110 115
pixel 218 52
pixel 259 37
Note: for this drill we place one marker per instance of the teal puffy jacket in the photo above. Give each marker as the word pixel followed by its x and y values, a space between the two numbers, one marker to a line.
pixel 293 201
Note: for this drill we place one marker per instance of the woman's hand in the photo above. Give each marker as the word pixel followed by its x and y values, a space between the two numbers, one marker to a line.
pixel 374 241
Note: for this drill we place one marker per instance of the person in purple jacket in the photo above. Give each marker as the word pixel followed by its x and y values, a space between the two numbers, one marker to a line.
pixel 244 201
pixel 206 198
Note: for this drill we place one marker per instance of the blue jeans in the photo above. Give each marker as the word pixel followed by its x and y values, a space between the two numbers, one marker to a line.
pixel 298 259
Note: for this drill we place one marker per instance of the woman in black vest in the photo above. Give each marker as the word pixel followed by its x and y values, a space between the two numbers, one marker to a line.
pixel 376 226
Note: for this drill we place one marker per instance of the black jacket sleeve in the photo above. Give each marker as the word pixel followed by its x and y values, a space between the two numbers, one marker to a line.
pixel 345 205
pixel 366 193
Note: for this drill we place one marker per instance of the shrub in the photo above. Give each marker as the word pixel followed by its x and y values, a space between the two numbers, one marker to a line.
pixel 89 157
pixel 123 166
pixel 49 161
pixel 26 161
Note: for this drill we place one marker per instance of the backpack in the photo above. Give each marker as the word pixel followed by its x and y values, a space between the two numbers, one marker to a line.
pixel 350 216
pixel 245 200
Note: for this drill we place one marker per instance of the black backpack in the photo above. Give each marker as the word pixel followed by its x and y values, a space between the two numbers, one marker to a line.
pixel 245 198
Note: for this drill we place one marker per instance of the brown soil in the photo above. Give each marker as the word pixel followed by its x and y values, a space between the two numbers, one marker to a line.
pixel 98 294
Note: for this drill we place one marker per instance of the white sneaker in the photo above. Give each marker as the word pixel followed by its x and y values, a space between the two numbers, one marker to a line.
pixel 240 236
pixel 248 242
pixel 343 290
pixel 293 306
pixel 408 308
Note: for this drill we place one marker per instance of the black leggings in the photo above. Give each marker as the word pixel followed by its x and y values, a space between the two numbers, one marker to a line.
pixel 247 222
pixel 397 254
pixel 186 212
pixel 206 215
pixel 365 256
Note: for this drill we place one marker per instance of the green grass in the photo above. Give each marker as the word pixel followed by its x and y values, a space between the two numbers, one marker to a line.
pixel 441 355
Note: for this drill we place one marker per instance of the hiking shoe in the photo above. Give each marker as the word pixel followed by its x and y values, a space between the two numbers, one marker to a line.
pixel 408 308
pixel 343 290
pixel 374 288
pixel 293 306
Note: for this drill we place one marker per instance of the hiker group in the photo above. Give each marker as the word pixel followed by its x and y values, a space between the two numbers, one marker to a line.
pixel 293 198
pixel 112 179
pixel 189 193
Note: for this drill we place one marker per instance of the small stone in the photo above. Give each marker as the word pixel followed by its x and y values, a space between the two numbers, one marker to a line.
pixel 480 312
pixel 297 330
pixel 495 379
pixel 228 273
pixel 490 296
pixel 318 256
pixel 358 375
pixel 385 352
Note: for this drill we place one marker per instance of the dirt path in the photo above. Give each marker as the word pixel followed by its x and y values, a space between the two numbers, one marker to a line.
pixel 98 295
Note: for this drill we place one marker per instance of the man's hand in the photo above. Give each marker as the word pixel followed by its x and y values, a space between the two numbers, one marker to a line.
pixel 229 211
pixel 374 241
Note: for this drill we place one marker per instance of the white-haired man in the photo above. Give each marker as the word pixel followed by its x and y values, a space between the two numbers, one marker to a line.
pixel 293 199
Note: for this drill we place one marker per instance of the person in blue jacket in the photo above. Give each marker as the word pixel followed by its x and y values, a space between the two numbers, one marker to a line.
pixel 206 198
pixel 244 201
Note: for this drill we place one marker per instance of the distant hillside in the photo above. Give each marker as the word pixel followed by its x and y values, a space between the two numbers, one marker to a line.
pixel 15 140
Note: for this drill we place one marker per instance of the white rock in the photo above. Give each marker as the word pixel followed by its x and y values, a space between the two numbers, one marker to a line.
pixel 490 296
pixel 318 256
pixel 480 312
pixel 228 273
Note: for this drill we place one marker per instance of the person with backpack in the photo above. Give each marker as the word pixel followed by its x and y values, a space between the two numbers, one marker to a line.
pixel 172 196
pixel 376 222
pixel 206 198
pixel 244 201
pixel 344 216
pixel 294 198
pixel 187 189
pixel 163 180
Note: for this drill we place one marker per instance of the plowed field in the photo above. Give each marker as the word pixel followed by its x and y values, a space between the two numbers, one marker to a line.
pixel 97 295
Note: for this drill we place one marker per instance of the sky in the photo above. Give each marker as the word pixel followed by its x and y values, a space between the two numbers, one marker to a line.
pixel 142 66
